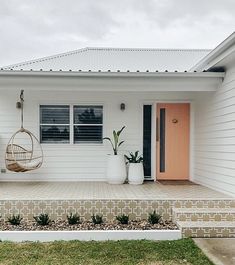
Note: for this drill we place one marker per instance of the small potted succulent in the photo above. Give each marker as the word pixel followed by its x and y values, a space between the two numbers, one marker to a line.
pixel 116 167
pixel 136 171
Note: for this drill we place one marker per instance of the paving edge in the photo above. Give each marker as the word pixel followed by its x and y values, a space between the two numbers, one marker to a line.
pixel 203 246
pixel 88 235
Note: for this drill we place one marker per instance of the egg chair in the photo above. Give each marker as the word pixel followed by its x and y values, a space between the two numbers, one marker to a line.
pixel 23 152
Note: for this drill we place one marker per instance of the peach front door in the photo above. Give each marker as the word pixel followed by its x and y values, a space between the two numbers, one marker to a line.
pixel 173 141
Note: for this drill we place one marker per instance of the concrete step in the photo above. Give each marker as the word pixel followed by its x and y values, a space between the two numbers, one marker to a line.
pixel 208 229
pixel 203 214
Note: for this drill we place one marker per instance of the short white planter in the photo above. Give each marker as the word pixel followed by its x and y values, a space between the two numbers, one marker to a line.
pixel 116 169
pixel 136 173
pixel 47 236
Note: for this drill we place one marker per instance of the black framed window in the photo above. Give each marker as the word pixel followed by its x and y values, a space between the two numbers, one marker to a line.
pixel 88 124
pixel 54 124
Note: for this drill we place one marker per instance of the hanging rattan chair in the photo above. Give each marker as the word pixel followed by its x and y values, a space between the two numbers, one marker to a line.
pixel 23 152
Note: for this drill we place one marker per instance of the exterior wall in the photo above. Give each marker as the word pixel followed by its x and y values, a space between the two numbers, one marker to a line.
pixel 83 162
pixel 214 156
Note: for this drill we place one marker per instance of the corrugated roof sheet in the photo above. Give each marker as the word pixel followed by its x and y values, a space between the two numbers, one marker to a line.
pixel 117 59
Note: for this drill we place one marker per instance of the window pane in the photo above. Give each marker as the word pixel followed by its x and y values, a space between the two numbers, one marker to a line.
pixel 147 134
pixel 88 114
pixel 54 114
pixel 162 139
pixel 91 134
pixel 54 134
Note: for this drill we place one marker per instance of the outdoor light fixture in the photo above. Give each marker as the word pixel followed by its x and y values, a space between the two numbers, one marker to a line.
pixel 122 106
pixel 18 105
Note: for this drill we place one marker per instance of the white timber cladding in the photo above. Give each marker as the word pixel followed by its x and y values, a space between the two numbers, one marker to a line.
pixel 85 162
pixel 214 157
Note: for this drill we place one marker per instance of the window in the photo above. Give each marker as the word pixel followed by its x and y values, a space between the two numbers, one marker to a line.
pixel 54 124
pixel 88 124
pixel 147 139
pixel 85 125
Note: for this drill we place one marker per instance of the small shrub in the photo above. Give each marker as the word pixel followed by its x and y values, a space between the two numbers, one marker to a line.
pixel 134 157
pixel 154 218
pixel 123 219
pixel 42 219
pixel 14 219
pixel 73 218
pixel 97 219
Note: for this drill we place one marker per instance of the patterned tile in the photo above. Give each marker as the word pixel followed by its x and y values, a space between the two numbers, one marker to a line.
pixel 60 199
pixel 207 232
pixel 108 208
pixel 104 191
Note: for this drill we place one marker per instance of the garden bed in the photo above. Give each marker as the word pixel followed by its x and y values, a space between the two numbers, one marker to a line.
pixel 86 231
pixel 62 225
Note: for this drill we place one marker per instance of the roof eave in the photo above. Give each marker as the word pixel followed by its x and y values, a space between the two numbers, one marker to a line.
pixel 109 74
pixel 210 60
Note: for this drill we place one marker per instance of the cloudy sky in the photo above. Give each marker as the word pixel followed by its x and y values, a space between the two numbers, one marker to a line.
pixel 31 29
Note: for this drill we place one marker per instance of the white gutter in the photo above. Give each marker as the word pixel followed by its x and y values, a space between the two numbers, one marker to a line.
pixel 16 73
pixel 206 62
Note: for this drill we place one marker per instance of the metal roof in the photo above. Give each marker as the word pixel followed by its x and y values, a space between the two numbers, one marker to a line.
pixel 116 59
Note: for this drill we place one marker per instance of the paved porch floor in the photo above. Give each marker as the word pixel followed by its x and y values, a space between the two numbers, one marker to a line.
pixel 103 191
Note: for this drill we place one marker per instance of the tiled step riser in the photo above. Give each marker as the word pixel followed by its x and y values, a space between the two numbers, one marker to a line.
pixel 199 204
pixel 136 209
pixel 59 209
pixel 194 217
pixel 208 232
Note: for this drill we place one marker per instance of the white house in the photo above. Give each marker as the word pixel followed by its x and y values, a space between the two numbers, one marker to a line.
pixel 179 112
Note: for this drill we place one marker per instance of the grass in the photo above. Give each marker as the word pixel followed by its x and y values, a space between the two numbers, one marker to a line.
pixel 141 252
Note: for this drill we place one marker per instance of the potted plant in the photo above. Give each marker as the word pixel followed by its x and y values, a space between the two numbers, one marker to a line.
pixel 136 171
pixel 116 167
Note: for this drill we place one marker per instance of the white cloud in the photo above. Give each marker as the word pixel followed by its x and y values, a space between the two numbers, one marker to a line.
pixel 31 29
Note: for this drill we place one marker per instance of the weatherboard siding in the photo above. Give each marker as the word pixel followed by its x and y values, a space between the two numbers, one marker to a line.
pixel 214 156
pixel 69 161
pixel 82 162
pixel 212 141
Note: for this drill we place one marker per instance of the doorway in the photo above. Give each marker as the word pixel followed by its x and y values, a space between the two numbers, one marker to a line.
pixel 173 141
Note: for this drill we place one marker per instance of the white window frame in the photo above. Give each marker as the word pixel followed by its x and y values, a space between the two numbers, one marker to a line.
pixel 72 124
pixel 88 124
pixel 54 124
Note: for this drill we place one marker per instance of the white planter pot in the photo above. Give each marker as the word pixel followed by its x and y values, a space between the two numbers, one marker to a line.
pixel 116 169
pixel 136 173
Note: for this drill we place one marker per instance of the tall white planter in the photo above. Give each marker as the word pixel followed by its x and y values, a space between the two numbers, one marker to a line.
pixel 116 169
pixel 136 173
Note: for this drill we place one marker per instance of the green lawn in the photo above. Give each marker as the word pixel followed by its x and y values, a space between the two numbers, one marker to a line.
pixel 121 252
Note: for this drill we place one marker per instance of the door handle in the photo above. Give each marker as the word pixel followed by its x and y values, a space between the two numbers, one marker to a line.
pixel 157 130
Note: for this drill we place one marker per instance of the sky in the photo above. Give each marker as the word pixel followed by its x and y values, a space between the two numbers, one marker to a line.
pixel 31 29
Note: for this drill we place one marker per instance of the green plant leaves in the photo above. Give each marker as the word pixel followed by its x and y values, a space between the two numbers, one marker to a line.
pixel 121 143
pixel 42 219
pixel 134 157
pixel 115 142
pixel 120 131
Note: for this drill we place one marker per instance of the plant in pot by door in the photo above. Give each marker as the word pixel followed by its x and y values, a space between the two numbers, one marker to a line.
pixel 136 171
pixel 116 166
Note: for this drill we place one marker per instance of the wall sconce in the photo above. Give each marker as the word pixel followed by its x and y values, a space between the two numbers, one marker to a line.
pixel 18 105
pixel 122 106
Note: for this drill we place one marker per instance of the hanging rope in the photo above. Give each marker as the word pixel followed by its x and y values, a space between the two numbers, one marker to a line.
pixel 22 108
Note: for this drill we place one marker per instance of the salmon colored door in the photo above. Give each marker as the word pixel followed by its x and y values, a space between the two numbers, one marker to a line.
pixel 173 121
